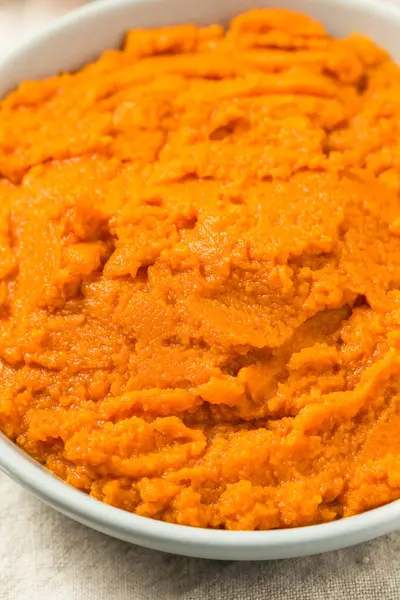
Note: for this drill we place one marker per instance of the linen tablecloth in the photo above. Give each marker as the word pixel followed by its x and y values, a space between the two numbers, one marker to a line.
pixel 45 556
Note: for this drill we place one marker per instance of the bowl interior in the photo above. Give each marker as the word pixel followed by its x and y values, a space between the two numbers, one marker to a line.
pixel 84 34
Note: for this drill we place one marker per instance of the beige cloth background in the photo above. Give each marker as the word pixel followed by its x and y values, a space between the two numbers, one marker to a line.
pixel 45 556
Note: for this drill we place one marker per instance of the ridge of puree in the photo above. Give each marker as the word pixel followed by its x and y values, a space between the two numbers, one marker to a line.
pixel 200 274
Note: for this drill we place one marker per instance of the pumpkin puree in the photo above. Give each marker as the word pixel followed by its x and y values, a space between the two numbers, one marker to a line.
pixel 200 274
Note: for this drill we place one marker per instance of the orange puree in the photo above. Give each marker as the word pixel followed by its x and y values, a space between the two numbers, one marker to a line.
pixel 200 274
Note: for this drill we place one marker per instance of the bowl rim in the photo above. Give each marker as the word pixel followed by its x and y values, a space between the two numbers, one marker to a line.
pixel 125 525
pixel 388 9
pixel 115 521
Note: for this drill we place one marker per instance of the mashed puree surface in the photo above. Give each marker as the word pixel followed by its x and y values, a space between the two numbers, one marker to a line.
pixel 200 274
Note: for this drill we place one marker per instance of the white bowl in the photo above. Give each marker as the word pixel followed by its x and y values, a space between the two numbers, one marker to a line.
pixel 69 43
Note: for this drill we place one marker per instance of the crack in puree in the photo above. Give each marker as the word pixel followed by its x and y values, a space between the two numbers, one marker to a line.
pixel 200 274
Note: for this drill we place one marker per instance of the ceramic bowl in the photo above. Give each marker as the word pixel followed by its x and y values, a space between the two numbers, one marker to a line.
pixel 68 44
